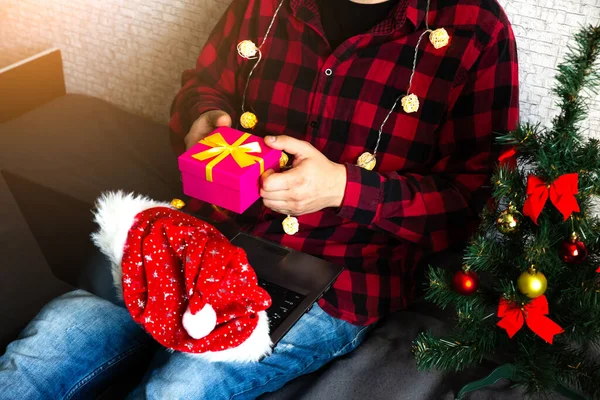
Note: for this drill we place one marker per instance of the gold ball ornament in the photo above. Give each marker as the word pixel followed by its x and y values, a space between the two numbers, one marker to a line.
pixel 410 103
pixel 366 161
pixel 248 120
pixel 290 225
pixel 177 203
pixel 283 160
pixel 509 220
pixel 532 283
pixel 247 49
pixel 439 38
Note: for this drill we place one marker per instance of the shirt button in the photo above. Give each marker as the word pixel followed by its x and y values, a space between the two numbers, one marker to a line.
pixel 328 72
pixel 314 124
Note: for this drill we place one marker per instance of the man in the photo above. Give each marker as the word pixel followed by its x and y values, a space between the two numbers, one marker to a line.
pixel 325 92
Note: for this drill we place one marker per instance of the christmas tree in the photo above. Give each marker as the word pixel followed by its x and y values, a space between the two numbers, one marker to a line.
pixel 528 293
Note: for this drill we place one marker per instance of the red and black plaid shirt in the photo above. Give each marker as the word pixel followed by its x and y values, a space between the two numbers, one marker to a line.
pixel 424 193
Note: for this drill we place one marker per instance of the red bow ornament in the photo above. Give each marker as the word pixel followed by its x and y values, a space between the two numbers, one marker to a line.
pixel 534 314
pixel 561 192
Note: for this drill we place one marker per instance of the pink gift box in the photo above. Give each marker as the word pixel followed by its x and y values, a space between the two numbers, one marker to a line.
pixel 233 187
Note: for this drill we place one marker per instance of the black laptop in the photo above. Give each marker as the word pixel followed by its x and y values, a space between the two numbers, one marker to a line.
pixel 62 224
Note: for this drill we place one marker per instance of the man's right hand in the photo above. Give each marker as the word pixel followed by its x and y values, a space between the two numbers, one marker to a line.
pixel 205 124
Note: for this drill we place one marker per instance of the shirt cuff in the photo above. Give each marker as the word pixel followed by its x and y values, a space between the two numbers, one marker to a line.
pixel 363 195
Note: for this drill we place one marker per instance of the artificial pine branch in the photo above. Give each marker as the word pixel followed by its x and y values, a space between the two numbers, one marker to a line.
pixel 448 354
pixel 508 184
pixel 441 293
pixel 575 73
pixel 579 70
pixel 484 255
pixel 535 371
pixel 526 137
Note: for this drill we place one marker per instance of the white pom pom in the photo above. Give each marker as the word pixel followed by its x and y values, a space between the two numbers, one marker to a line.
pixel 200 324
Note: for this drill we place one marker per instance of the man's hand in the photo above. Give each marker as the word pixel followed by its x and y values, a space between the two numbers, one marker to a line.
pixel 314 182
pixel 205 124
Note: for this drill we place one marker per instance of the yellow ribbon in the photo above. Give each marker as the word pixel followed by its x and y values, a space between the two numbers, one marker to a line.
pixel 221 149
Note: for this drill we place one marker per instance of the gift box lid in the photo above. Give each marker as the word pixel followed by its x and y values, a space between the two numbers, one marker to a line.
pixel 227 172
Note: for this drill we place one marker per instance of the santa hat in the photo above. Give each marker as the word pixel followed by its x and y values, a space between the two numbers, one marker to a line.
pixel 182 280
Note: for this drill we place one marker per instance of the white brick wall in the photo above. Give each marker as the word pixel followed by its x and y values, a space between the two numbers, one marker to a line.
pixel 543 29
pixel 129 52
pixel 132 52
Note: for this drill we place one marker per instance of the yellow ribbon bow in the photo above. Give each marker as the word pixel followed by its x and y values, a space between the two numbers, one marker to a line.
pixel 221 149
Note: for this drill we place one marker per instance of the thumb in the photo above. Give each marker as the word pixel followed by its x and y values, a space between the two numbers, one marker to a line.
pixel 205 124
pixel 220 118
pixel 293 146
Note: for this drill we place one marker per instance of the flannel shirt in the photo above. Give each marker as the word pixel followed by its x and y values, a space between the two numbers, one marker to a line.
pixel 433 166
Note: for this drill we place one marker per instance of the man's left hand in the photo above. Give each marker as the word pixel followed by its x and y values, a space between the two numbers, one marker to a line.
pixel 314 182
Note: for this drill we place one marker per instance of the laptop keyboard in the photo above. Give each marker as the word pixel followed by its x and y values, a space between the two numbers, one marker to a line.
pixel 284 301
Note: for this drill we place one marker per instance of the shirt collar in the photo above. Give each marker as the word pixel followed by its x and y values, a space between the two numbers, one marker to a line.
pixel 411 10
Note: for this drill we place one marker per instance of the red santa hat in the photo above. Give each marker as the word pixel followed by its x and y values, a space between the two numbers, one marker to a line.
pixel 182 280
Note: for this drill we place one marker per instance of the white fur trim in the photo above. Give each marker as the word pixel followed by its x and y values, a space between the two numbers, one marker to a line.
pixel 115 213
pixel 200 324
pixel 253 349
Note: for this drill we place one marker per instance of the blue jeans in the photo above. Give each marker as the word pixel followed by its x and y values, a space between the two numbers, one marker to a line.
pixel 79 341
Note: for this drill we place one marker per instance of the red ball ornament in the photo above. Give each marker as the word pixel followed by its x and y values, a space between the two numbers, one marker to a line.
pixel 573 251
pixel 465 282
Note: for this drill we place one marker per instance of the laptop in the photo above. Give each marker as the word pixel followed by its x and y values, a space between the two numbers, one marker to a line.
pixel 62 224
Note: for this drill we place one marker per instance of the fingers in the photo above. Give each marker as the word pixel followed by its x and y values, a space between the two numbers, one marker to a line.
pixel 289 180
pixel 284 195
pixel 281 207
pixel 265 175
pixel 272 198
pixel 272 181
pixel 205 124
pixel 298 148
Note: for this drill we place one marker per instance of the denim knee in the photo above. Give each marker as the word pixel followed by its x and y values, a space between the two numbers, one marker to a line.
pixel 66 345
